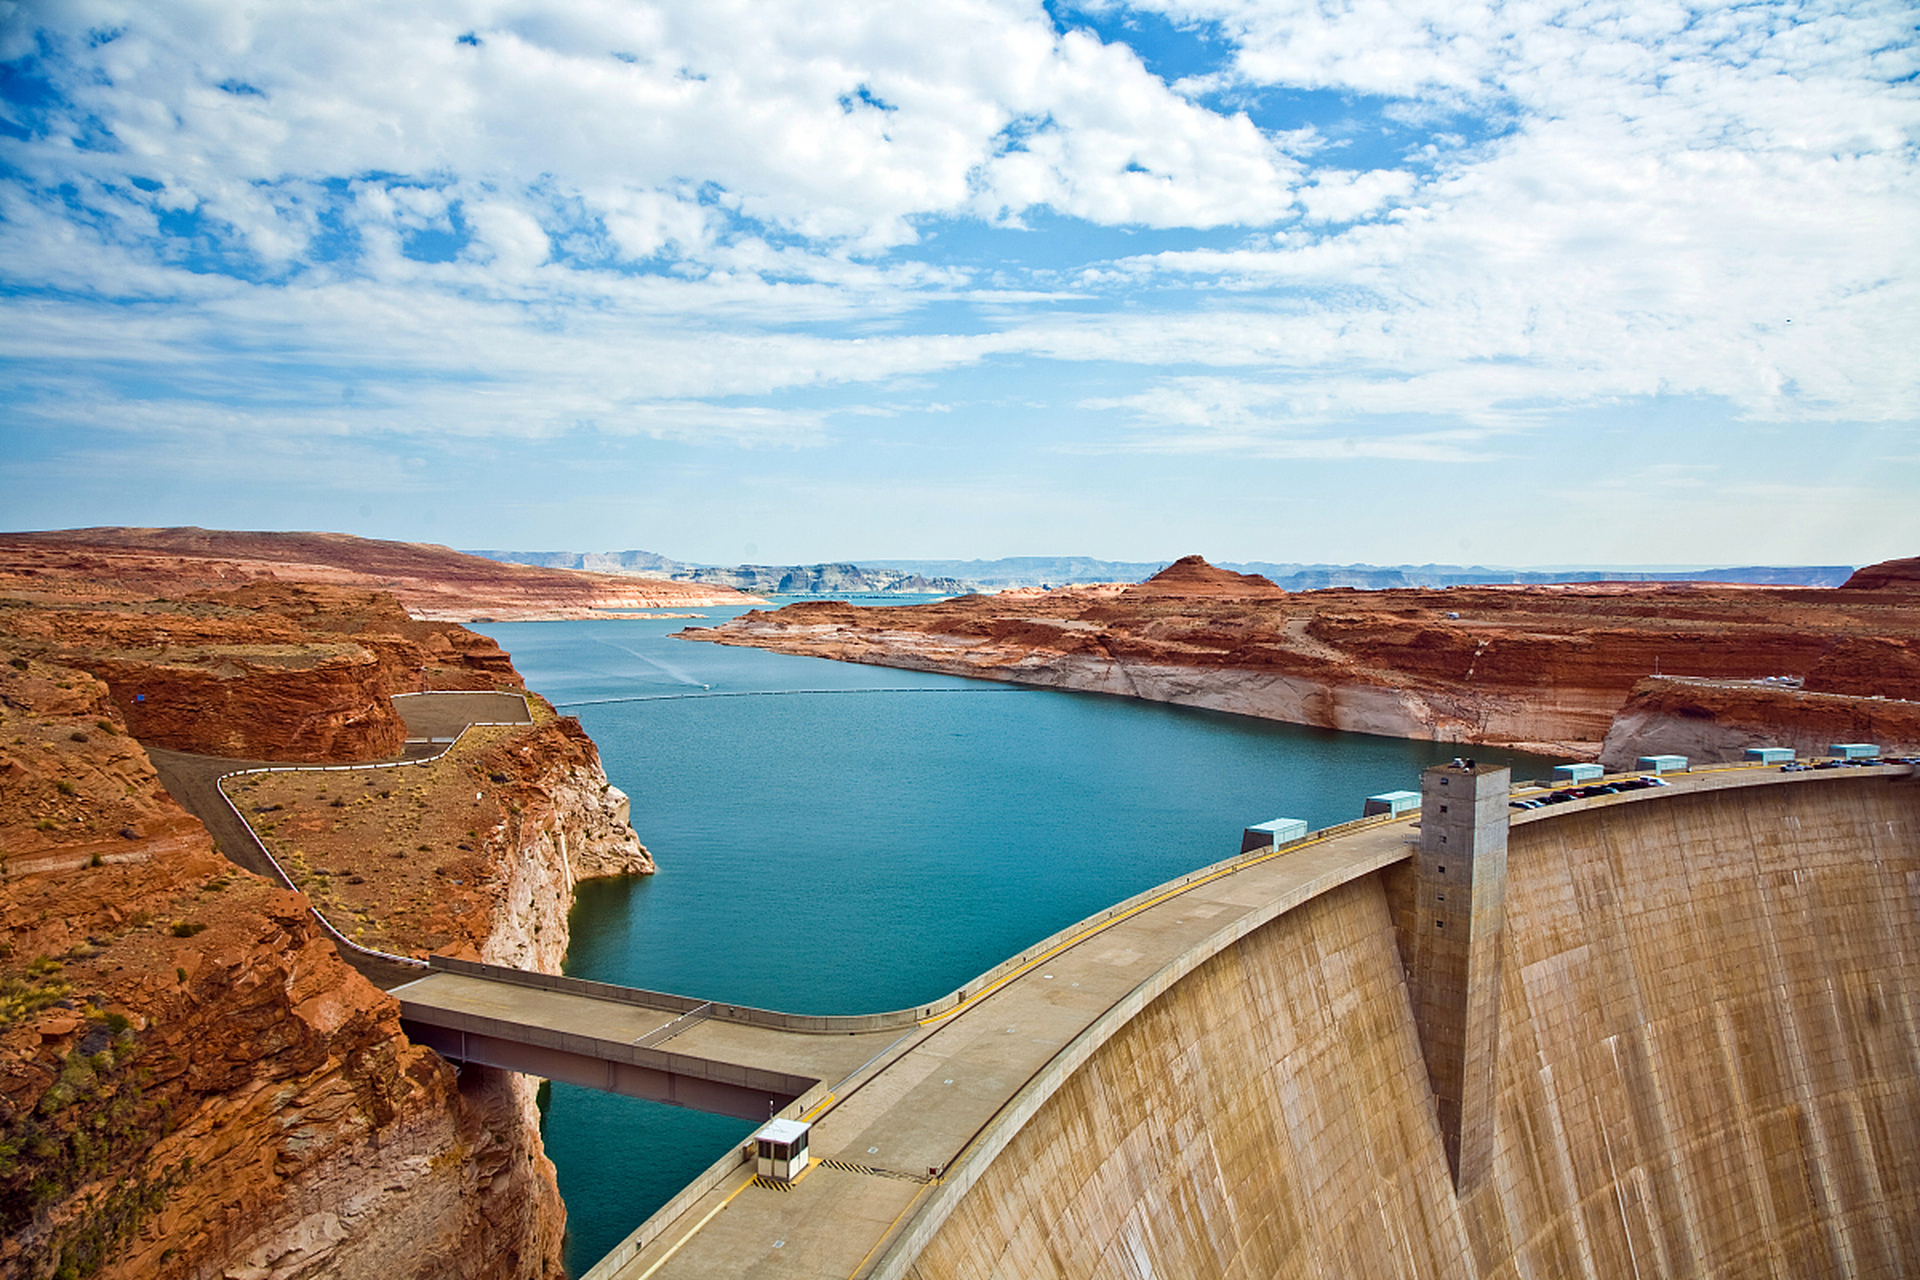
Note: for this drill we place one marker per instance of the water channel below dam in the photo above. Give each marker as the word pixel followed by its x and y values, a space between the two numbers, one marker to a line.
pixel 836 838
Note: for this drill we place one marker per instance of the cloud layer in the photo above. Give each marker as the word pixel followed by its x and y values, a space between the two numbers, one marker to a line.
pixel 1415 233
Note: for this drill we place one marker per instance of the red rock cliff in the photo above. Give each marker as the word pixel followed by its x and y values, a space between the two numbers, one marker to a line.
pixel 192 1083
pixel 274 671
pixel 1712 722
pixel 1545 667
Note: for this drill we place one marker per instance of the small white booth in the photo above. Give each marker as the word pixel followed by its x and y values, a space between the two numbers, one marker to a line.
pixel 1855 750
pixel 1662 764
pixel 1771 755
pixel 780 1150
pixel 1577 772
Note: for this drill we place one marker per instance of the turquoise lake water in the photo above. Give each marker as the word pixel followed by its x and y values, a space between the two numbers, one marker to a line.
pixel 920 828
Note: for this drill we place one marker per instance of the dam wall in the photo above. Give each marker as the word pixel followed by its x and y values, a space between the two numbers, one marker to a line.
pixel 1708 1064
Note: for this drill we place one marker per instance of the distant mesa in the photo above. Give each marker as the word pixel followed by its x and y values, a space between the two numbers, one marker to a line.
pixel 836 579
pixel 432 582
pixel 1888 575
pixel 961 577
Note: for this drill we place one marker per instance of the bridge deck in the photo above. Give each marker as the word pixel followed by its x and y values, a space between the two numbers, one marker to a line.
pixel 655 1051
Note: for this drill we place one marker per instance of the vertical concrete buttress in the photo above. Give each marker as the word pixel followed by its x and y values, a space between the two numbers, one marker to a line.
pixel 1453 971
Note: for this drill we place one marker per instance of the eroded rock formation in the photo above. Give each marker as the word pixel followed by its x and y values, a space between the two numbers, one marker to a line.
pixel 1711 722
pixel 273 671
pixel 192 1082
pixel 1536 667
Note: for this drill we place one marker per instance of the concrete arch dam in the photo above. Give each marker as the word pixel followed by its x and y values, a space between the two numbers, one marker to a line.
pixel 1660 1033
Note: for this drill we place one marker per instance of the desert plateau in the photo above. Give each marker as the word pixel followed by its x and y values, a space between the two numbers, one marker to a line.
pixel 204 1075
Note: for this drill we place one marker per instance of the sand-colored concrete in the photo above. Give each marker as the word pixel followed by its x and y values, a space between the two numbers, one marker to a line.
pixel 1709 1064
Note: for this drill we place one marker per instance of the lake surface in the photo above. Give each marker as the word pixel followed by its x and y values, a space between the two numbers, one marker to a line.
pixel 918 828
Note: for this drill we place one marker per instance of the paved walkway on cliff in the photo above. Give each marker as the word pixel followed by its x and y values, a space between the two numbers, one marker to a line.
pixel 432 719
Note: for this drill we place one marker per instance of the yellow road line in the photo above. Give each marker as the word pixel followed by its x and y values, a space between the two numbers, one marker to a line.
pixel 644 1275
pixel 884 1235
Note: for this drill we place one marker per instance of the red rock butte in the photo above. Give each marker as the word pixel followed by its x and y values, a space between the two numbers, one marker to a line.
pixel 1193 576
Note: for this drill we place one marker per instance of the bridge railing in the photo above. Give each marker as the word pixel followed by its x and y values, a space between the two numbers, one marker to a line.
pixel 835 1024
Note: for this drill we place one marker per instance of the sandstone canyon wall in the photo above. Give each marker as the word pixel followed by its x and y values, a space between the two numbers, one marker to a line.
pixel 1707 1066
pixel 280 671
pixel 192 1082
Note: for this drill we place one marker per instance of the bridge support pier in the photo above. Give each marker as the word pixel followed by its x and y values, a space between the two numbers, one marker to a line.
pixel 1451 950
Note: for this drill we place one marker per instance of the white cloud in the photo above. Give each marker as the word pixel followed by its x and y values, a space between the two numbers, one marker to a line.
pixel 507 237
pixel 1339 196
pixel 642 216
pixel 839 124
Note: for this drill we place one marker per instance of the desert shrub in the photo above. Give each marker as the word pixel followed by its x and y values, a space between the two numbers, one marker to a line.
pixel 40 989
pixel 93 1125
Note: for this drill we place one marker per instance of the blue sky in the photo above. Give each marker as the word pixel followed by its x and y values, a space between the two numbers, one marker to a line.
pixel 1335 281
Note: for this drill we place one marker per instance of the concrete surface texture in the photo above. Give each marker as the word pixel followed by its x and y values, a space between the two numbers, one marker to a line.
pixel 1708 1064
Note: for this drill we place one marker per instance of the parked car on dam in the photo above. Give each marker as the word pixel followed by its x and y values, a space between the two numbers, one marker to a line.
pixel 1566 795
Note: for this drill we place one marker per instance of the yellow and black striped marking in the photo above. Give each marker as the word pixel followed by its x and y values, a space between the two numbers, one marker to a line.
pixel 848 1166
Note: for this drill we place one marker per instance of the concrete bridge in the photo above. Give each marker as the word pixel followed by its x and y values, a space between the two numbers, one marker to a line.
pixel 1030 1123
